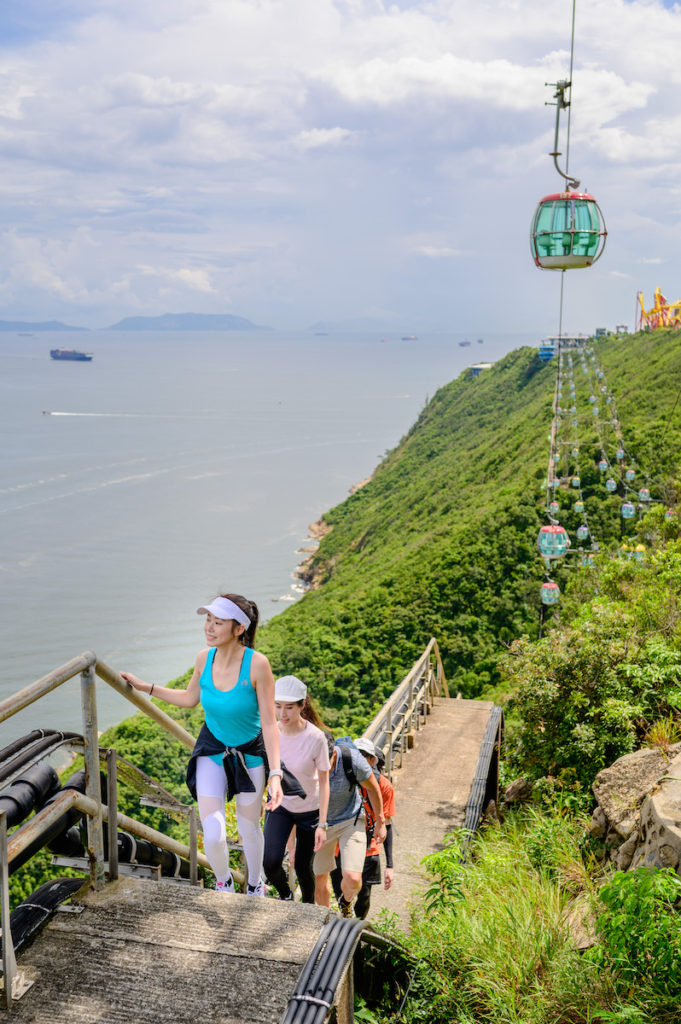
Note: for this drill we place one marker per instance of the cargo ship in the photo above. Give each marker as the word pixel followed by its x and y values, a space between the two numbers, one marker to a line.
pixel 72 354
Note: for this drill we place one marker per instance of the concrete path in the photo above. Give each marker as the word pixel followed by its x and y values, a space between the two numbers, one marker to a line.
pixel 143 952
pixel 431 792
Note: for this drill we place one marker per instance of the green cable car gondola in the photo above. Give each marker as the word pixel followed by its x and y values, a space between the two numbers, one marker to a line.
pixel 568 231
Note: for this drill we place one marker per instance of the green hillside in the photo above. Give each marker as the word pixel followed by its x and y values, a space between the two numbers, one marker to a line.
pixel 442 540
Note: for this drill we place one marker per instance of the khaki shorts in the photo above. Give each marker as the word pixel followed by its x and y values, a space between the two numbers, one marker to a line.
pixel 352 839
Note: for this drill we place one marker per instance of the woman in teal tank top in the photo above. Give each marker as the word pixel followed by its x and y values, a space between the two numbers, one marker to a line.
pixel 235 686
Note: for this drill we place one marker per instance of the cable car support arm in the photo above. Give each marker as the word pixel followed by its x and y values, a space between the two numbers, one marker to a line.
pixel 561 104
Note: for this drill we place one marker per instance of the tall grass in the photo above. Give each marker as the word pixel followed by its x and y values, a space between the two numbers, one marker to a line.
pixel 493 937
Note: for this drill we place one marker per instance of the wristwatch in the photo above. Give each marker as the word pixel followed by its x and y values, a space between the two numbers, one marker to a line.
pixel 323 824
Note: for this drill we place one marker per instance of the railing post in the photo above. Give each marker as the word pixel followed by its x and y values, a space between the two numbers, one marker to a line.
pixel 389 742
pixel 95 832
pixel 112 804
pixel 193 842
pixel 412 703
pixel 9 963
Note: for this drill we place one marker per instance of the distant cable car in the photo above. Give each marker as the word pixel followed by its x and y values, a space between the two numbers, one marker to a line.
pixel 628 510
pixel 575 481
pixel 549 593
pixel 669 515
pixel 568 231
pixel 610 485
pixel 573 408
pixel 639 552
pixel 595 410
pixel 554 508
pixel 602 465
pixel 578 506
pixel 629 475
pixel 644 494
pixel 574 453
pixel 553 541
pixel 587 559
pixel 619 454
pixel 582 532
pixel 592 399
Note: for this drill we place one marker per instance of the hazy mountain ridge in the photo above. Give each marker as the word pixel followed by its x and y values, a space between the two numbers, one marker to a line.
pixel 187 322
pixel 45 325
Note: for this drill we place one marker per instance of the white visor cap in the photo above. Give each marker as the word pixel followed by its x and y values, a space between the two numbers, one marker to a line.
pixel 289 689
pixel 223 608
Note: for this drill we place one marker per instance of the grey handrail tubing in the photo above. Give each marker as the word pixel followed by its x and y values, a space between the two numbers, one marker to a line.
pixel 396 710
pixel 69 798
pixel 34 691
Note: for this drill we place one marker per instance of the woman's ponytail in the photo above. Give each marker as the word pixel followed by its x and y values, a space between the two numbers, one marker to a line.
pixel 249 608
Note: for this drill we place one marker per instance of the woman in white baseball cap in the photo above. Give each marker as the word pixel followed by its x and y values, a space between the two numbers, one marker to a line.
pixel 304 749
pixel 239 742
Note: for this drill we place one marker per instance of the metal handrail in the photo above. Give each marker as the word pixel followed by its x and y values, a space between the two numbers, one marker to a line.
pixel 392 728
pixel 88 666
pixel 88 659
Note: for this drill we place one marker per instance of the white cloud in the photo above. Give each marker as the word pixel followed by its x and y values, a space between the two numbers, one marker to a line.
pixel 197 280
pixel 154 152
pixel 319 138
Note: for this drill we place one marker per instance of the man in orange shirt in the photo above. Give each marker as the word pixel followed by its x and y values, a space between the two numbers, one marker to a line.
pixel 371 875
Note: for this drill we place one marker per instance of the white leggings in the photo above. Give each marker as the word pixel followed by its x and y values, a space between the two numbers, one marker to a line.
pixel 211 791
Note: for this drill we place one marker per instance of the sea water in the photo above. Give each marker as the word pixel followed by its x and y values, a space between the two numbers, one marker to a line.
pixel 172 466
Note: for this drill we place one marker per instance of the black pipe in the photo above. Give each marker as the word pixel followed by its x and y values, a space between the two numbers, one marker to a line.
pixel 30 749
pixel 29 916
pixel 16 745
pixel 316 986
pixel 69 818
pixel 31 790
pixel 68 844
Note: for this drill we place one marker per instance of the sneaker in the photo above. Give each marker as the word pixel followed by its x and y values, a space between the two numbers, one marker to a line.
pixel 345 907
pixel 288 899
pixel 226 886
pixel 256 890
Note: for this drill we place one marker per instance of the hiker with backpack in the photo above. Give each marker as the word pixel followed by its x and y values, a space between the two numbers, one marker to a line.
pixel 371 874
pixel 345 824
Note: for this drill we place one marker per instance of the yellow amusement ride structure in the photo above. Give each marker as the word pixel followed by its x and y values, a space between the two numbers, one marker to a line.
pixel 660 314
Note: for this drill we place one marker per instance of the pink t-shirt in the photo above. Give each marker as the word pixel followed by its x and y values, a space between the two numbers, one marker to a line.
pixel 303 754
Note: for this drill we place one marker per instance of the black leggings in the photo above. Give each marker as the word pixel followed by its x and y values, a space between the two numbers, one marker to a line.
pixel 278 826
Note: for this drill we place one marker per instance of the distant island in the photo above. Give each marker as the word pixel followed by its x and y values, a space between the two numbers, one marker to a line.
pixel 45 325
pixel 187 322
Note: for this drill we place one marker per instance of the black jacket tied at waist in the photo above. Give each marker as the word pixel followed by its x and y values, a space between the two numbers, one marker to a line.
pixel 234 763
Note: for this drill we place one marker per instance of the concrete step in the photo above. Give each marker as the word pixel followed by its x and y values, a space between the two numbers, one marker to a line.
pixel 145 952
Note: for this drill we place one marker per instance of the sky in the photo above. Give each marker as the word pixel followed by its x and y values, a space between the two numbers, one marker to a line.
pixel 297 161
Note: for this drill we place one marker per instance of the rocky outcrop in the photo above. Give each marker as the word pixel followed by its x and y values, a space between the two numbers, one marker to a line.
pixel 307 572
pixel 639 801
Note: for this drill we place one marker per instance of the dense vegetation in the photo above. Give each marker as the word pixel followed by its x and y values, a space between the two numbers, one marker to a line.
pixel 442 542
